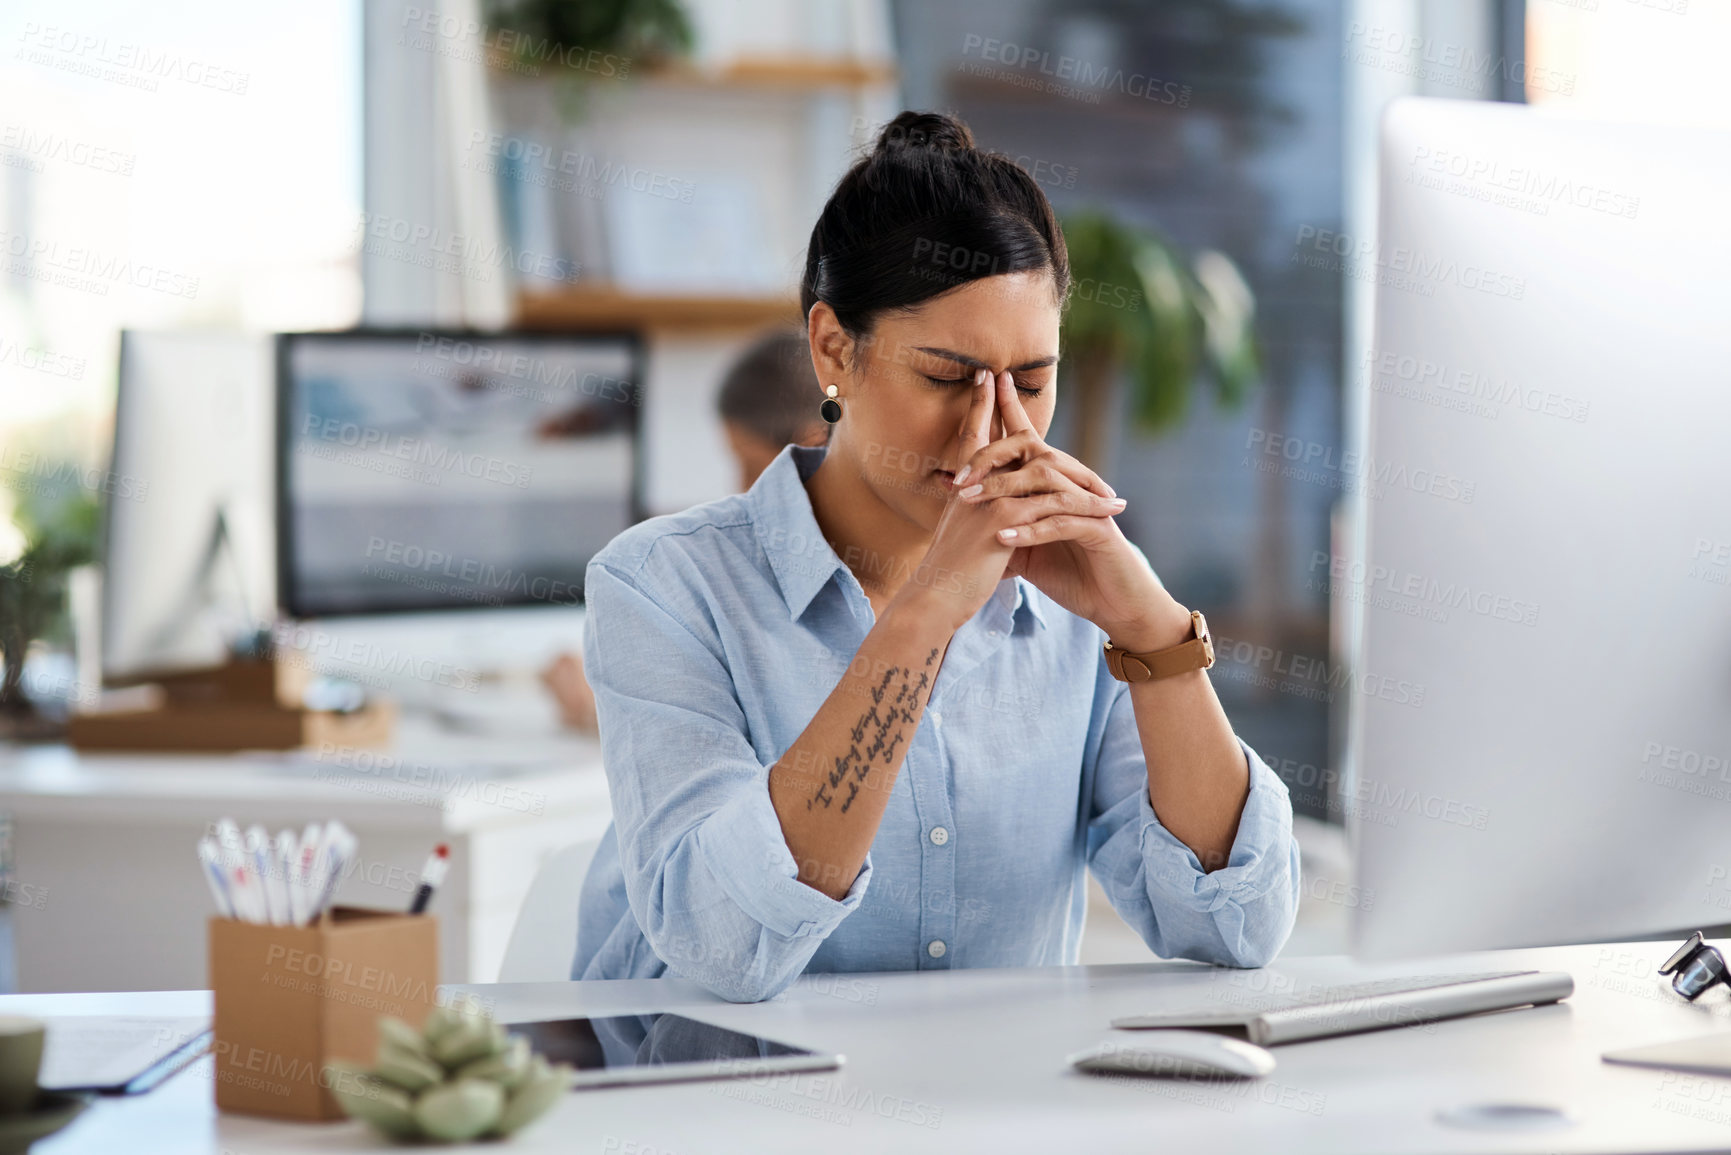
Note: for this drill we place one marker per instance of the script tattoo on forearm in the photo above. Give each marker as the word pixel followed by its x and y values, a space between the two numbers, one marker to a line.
pixel 873 732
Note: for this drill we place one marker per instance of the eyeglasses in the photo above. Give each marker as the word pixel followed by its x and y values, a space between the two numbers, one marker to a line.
pixel 1697 966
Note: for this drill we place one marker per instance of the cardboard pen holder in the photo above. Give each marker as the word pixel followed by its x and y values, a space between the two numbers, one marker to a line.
pixel 290 999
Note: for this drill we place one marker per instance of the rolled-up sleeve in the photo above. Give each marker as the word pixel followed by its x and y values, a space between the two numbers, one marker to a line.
pixel 708 873
pixel 1238 915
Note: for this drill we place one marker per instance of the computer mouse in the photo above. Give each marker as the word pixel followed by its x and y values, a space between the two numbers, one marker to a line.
pixel 1180 1053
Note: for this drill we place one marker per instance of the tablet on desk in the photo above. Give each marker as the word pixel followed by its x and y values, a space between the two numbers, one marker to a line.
pixel 622 1050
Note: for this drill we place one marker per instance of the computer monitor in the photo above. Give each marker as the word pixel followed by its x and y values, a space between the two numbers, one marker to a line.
pixel 188 551
pixel 1544 746
pixel 426 470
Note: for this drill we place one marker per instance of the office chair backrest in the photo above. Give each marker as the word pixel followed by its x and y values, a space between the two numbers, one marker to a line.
pixel 544 940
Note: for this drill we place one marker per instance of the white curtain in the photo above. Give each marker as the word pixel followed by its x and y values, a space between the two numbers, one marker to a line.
pixel 433 250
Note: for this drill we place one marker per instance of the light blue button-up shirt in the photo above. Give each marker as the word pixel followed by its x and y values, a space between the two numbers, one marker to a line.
pixel 713 637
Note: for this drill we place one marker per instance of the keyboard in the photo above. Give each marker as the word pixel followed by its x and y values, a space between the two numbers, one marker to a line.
pixel 1324 1011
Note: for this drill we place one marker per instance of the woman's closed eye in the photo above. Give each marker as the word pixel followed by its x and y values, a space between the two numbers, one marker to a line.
pixel 945 382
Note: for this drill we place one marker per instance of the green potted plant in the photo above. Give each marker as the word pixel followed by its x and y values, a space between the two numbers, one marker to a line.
pixel 59 537
pixel 1139 311
pixel 637 28
pixel 591 38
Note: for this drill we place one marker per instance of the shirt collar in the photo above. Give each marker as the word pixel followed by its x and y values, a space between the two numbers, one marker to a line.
pixel 787 530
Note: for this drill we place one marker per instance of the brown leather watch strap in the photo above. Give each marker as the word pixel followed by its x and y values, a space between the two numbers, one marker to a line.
pixel 1151 665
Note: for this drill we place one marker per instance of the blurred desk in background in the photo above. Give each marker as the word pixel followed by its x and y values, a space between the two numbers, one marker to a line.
pixel 107 894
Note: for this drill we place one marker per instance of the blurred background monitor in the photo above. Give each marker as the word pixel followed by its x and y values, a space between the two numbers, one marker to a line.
pixel 424 470
pixel 1546 590
pixel 188 549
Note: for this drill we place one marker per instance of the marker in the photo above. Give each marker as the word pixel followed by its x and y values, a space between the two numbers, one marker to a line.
pixel 335 853
pixel 210 859
pixel 285 856
pixel 302 876
pixel 243 886
pixel 242 894
pixel 432 874
pixel 228 834
pixel 270 887
pixel 318 874
pixel 289 880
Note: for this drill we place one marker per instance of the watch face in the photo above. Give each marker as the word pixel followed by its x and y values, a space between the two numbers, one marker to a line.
pixel 1207 640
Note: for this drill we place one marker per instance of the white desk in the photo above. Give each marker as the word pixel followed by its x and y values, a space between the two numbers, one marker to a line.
pixel 109 896
pixel 973 1061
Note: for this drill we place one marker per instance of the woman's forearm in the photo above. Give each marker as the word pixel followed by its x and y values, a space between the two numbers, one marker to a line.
pixel 831 786
pixel 1198 779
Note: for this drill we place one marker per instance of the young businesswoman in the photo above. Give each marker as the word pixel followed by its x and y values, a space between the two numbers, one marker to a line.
pixel 863 717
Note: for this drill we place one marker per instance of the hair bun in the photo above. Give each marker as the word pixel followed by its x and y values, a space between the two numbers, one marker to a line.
pixel 923 130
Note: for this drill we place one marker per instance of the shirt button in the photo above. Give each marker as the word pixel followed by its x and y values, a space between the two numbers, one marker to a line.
pixel 936 948
pixel 937 718
pixel 939 836
pixel 991 633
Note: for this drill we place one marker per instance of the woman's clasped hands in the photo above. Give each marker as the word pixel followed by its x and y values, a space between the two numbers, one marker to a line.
pixel 1020 507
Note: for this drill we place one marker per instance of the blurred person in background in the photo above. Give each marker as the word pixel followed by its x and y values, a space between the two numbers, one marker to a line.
pixel 765 403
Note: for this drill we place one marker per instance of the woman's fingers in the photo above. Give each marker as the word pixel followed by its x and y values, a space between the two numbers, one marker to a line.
pixel 1028 446
pixel 1014 448
pixel 1010 407
pixel 1079 473
pixel 1042 478
pixel 1079 502
pixel 977 425
pixel 1021 442
pixel 1056 527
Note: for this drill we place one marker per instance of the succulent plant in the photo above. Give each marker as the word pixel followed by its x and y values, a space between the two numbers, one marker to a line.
pixel 460 1077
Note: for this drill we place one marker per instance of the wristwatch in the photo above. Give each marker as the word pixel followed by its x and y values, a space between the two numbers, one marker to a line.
pixel 1195 654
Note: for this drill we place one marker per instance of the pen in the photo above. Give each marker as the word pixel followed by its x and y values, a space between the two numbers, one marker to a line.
pixel 432 874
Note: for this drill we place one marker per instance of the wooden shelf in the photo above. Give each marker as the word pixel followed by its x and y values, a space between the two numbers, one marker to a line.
pixel 799 72
pixel 794 73
pixel 604 307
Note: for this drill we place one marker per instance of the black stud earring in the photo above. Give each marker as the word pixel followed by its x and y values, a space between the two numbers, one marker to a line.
pixel 831 408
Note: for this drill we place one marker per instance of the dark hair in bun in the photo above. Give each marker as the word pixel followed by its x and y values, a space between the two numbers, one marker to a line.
pixel 924 212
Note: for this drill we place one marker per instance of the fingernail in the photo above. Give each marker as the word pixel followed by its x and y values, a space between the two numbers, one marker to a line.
pixel 1117 502
pixel 1006 534
pixel 971 490
pixel 1110 492
pixel 982 376
pixel 962 474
